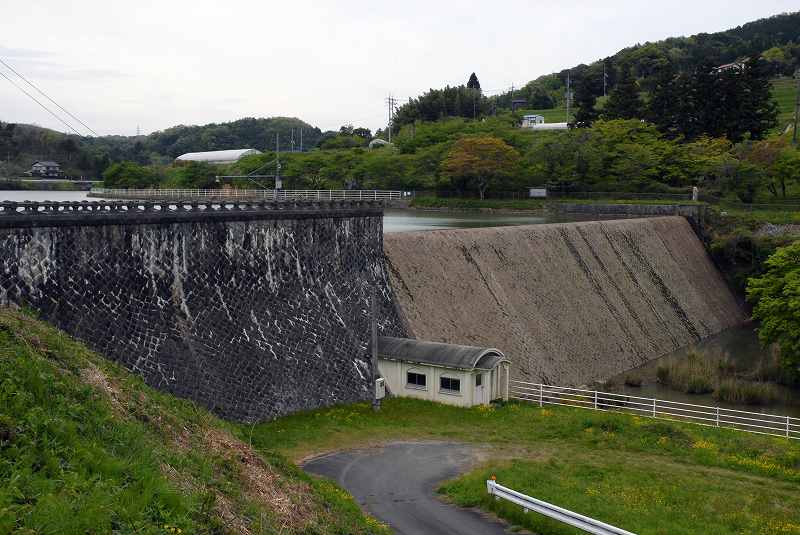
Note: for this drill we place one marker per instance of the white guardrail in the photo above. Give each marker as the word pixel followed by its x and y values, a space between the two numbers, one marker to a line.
pixel 590 525
pixel 259 194
pixel 712 416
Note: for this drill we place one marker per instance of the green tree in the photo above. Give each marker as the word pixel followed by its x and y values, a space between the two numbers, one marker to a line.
pixel 130 175
pixel 776 296
pixel 661 108
pixel 586 101
pixel 473 82
pixel 624 101
pixel 480 161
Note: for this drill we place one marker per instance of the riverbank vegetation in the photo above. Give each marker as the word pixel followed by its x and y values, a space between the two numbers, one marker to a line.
pixel 86 447
pixel 637 473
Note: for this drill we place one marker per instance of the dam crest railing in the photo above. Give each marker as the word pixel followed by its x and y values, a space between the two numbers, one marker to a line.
pixel 279 195
pixel 43 213
pixel 707 415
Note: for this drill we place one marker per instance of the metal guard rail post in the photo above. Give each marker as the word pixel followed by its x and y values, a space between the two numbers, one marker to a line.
pixel 590 525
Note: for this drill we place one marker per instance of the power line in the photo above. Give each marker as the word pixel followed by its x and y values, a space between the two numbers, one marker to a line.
pixel 48 97
pixel 48 110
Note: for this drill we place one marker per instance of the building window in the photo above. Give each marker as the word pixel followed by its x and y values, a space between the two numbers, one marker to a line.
pixel 449 385
pixel 479 379
pixel 416 380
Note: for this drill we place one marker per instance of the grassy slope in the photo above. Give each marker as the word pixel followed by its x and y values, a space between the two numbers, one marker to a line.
pixel 86 447
pixel 785 93
pixel 644 475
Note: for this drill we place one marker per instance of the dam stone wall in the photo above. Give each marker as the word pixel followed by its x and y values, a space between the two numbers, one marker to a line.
pixel 253 310
pixel 568 303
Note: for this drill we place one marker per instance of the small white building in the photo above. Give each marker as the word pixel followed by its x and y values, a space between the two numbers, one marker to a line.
pixel 219 157
pixel 529 121
pixel 453 374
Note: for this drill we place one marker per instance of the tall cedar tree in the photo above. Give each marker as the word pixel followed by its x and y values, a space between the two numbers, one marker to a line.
pixel 585 100
pixel 473 82
pixel 662 109
pixel 624 101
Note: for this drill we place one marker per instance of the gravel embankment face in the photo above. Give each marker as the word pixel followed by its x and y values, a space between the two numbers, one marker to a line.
pixel 568 303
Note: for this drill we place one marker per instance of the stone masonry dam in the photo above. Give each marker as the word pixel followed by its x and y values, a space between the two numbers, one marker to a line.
pixel 254 310
pixel 568 303
pixel 259 309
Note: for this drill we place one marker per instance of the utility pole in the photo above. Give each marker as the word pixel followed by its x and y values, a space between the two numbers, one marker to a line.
pixel 605 78
pixel 292 140
pixel 278 181
pixel 796 107
pixel 301 140
pixel 373 330
pixel 391 101
pixel 569 82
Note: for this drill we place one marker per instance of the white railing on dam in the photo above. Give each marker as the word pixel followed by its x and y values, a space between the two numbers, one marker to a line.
pixel 251 194
pixel 712 416
pixel 585 523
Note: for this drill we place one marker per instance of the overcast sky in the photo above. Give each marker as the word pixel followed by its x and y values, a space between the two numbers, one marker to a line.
pixel 118 64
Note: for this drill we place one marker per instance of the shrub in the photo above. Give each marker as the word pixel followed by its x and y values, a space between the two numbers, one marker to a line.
pixel 747 392
pixel 633 380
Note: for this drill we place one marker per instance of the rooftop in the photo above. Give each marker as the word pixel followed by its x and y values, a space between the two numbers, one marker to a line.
pixel 217 155
pixel 439 354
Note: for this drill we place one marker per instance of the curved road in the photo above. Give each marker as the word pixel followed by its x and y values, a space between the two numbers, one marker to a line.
pixel 397 482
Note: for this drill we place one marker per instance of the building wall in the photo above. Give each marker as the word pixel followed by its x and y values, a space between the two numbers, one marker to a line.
pixel 395 374
pixel 252 314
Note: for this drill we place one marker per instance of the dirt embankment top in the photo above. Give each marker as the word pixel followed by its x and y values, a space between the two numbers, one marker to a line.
pixel 568 303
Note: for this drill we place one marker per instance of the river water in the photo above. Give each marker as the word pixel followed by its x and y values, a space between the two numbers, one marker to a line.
pixel 740 345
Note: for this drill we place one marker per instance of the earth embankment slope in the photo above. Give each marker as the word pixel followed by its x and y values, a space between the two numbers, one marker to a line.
pixel 568 303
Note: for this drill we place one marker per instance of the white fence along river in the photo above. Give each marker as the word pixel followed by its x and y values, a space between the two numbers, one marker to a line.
pixel 752 422
pixel 250 194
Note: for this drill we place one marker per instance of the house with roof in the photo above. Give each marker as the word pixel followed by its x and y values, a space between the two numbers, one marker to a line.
pixel 217 157
pixel 446 373
pixel 45 169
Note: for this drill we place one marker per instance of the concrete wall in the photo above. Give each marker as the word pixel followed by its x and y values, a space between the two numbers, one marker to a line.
pixel 567 303
pixel 253 312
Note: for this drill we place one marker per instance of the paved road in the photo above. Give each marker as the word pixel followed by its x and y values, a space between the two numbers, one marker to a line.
pixel 397 483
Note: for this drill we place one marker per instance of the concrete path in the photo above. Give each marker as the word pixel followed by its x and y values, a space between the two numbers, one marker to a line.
pixel 397 482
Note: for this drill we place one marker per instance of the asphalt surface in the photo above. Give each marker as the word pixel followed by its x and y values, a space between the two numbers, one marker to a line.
pixel 397 482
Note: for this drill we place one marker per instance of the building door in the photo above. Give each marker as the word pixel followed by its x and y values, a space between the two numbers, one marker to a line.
pixel 480 395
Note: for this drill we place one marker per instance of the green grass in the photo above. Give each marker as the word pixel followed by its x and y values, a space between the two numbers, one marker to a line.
pixel 785 94
pixel 646 475
pixel 86 448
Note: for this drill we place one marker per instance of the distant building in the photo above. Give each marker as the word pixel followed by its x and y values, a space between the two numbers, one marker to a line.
pixel 735 66
pixel 219 157
pixel 528 121
pixel 45 169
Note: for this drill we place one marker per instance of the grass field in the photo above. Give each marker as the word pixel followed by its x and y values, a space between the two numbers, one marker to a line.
pixel 87 448
pixel 644 475
pixel 785 93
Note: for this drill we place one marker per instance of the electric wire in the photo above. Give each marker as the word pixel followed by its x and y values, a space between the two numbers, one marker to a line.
pixel 48 110
pixel 48 97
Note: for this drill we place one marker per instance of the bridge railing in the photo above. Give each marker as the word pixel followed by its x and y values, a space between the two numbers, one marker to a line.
pixel 258 194
pixel 589 525
pixel 708 415
pixel 132 207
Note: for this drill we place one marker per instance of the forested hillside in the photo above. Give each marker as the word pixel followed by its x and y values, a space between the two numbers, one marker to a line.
pixel 776 40
pixel 21 145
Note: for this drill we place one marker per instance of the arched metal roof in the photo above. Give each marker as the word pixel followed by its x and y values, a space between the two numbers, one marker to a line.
pixel 217 156
pixel 439 354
